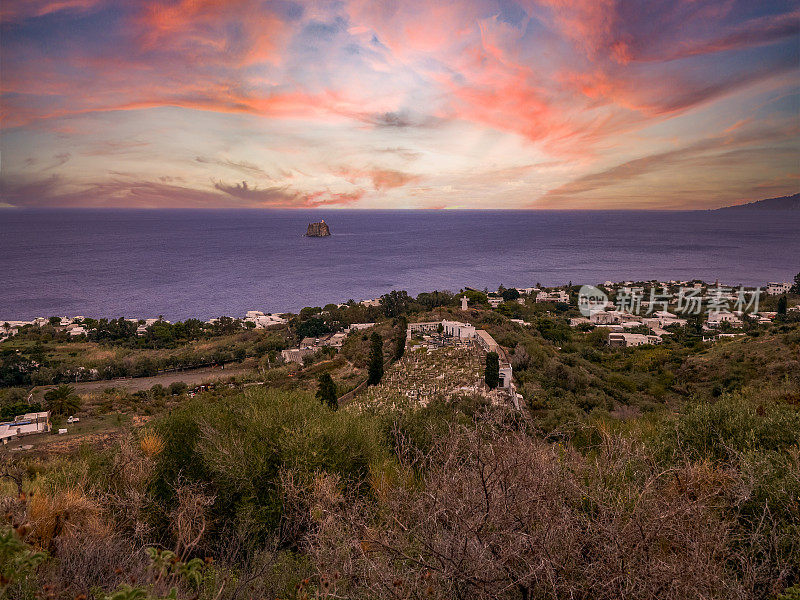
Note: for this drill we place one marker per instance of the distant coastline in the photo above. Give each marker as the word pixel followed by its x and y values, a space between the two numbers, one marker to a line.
pixel 783 203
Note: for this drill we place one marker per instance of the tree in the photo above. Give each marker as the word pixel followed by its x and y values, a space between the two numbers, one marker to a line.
pixel 510 294
pixel 326 391
pixel 694 323
pixel 400 341
pixel 62 400
pixel 796 287
pixel 176 388
pixel 782 305
pixel 431 300
pixel 375 360
pixel 492 375
pixel 475 297
pixel 395 303
pixel 313 327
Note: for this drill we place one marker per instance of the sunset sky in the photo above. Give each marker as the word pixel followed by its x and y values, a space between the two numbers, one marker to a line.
pixel 558 104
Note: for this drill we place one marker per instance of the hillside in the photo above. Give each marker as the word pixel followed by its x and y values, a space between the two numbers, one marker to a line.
pixel 783 203
pixel 618 472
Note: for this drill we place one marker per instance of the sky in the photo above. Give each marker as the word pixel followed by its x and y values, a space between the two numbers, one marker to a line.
pixel 480 104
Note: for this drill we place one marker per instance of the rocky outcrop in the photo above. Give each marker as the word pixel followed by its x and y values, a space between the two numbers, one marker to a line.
pixel 320 229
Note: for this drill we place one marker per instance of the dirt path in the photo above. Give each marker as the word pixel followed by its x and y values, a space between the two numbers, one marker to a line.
pixel 190 377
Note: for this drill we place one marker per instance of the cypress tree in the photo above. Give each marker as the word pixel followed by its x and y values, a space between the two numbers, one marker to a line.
pixel 375 370
pixel 326 390
pixel 492 375
pixel 782 305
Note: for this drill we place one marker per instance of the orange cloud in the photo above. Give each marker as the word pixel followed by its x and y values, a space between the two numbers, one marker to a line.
pixel 218 30
pixel 382 179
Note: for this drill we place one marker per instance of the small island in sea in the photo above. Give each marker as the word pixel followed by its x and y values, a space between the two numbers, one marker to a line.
pixel 320 229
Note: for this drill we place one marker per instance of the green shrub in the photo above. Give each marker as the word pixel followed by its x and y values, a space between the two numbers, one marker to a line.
pixel 176 388
pixel 734 424
pixel 237 449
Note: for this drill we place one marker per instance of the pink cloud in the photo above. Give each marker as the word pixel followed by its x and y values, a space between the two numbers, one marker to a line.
pixel 17 10
pixel 568 78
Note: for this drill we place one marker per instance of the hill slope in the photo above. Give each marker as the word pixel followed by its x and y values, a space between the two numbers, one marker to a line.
pixel 782 203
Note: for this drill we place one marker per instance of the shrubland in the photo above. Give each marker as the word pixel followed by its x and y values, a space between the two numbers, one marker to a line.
pixel 279 496
pixel 663 472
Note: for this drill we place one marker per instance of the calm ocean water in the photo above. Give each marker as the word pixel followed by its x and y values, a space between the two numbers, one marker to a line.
pixel 207 263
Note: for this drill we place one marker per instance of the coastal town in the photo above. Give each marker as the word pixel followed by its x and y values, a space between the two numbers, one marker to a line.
pixel 444 356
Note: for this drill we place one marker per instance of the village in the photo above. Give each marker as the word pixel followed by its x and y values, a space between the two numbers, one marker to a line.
pixel 446 357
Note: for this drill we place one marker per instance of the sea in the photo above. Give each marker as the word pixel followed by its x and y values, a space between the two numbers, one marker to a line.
pixel 207 263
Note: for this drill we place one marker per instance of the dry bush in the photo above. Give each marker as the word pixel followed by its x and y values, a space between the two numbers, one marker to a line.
pixel 68 513
pixel 124 492
pixel 189 518
pixel 506 516
pixel 87 564
pixel 151 444
pixel 72 526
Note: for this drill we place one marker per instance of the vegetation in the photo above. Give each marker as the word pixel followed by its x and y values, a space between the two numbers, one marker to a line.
pixel 400 340
pixel 492 373
pixel 657 472
pixel 796 287
pixel 375 360
pixel 62 400
pixel 326 391
pixel 289 498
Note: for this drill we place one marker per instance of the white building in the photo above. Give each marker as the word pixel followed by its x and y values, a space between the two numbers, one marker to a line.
pixel 263 320
pixel 27 424
pixel 716 319
pixel 506 376
pixel 631 340
pixel 775 289
pixel 662 318
pixel 336 340
pixel 486 341
pixel 612 328
pixel 458 330
pixel 494 301
pixel 576 321
pixel 608 317
pixel 373 302
pixel 557 296
pixel 297 354
pixel 422 327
